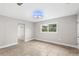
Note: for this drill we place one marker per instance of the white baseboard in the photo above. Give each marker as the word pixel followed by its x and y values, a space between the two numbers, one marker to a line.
pixel 74 46
pixel 8 45
pixel 40 40
pixel 28 40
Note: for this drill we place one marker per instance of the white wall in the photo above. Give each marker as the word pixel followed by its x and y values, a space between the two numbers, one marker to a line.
pixel 78 30
pixel 67 31
pixel 8 30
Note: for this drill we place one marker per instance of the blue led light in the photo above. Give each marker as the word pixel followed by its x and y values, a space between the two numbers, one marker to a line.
pixel 38 13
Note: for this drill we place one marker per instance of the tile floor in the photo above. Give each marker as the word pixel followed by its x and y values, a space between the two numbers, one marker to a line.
pixel 38 48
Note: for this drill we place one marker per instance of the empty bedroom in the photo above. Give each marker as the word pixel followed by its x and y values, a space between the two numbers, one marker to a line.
pixel 39 29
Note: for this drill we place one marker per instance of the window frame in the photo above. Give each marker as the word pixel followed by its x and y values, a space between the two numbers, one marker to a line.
pixel 48 27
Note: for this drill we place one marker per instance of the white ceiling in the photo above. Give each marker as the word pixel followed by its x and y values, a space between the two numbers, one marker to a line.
pixel 51 10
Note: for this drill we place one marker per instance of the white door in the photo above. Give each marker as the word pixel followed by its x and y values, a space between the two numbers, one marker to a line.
pixel 21 32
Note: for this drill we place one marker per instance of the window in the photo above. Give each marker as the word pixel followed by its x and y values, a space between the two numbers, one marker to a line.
pixel 44 29
pixel 52 27
pixel 49 28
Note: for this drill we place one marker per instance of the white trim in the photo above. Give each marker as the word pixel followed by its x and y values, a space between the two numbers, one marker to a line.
pixel 28 40
pixel 74 46
pixel 8 45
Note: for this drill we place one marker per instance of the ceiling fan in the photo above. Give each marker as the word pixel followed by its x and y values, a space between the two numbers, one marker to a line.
pixel 19 4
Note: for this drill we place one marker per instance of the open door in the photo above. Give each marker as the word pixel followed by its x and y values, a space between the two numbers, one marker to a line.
pixel 21 32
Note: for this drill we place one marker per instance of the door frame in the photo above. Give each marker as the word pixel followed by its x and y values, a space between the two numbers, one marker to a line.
pixel 17 30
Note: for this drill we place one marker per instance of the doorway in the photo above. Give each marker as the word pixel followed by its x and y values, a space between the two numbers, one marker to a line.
pixel 21 32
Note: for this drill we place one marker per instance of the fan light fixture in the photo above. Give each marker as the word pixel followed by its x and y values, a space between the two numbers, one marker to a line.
pixel 38 14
